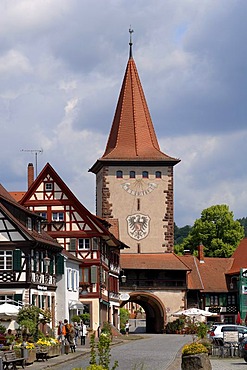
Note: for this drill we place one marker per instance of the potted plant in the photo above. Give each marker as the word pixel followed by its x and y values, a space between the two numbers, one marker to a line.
pixel 195 356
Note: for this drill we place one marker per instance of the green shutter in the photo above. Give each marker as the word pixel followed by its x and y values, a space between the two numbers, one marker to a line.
pixel 223 300
pixel 17 260
pixel 18 297
pixel 207 300
pixel 51 267
pixel 60 265
pixel 94 271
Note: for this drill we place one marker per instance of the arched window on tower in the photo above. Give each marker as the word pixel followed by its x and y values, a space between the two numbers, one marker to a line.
pixel 145 174
pixel 132 174
pixel 158 174
pixel 119 174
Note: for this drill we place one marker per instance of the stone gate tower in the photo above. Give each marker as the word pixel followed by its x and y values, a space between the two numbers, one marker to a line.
pixel 134 178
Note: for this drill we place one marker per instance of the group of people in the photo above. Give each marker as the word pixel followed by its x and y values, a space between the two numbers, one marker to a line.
pixel 72 333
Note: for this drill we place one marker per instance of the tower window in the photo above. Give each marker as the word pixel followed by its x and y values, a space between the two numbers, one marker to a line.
pixel 158 175
pixel 132 174
pixel 138 204
pixel 119 174
pixel 145 174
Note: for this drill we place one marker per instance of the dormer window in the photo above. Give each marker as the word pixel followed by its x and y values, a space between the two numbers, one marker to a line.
pixel 48 186
pixel 119 174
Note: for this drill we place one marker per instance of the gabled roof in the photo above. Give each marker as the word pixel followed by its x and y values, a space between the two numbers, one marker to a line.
pixel 8 207
pixel 209 276
pixel 95 223
pixel 240 257
pixel 152 261
pixel 132 136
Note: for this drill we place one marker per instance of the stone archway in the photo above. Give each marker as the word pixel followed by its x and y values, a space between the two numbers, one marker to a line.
pixel 154 309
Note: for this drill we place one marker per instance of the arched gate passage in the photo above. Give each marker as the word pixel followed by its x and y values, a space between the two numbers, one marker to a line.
pixel 154 309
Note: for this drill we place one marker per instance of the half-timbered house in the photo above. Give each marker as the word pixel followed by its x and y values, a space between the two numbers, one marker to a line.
pixel 30 260
pixel 85 236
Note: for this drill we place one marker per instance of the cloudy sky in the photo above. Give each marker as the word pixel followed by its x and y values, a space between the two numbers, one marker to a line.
pixel 61 68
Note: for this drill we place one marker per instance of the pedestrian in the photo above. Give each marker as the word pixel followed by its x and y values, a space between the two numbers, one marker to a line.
pixel 83 333
pixel 60 332
pixel 76 328
pixel 127 327
pixel 71 337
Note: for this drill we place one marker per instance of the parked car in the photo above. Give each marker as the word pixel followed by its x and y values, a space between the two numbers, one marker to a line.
pixel 243 349
pixel 217 330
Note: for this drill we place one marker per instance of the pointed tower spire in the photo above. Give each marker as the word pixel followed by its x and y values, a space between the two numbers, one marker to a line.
pixel 132 134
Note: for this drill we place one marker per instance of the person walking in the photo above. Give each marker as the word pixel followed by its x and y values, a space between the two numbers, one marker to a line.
pixel 83 333
pixel 127 327
pixel 60 332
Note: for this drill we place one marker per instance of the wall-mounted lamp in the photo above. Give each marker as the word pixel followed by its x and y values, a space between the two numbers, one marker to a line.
pixel 47 262
pixel 231 285
pixel 123 277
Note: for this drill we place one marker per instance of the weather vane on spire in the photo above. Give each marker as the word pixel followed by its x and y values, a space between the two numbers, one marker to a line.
pixel 130 43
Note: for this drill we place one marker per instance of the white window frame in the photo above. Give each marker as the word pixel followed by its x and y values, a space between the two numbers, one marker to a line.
pixel 5 257
pixel 57 216
pixel 85 245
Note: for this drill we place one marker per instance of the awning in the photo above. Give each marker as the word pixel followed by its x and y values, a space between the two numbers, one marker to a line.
pixel 75 305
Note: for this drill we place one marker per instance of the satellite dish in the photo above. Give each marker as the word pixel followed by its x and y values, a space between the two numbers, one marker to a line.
pixel 124 296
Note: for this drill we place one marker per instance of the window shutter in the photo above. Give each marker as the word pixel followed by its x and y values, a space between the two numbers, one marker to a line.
pixel 60 265
pixel 95 245
pixel 18 297
pixel 51 267
pixel 72 245
pixel 17 260
pixel 94 274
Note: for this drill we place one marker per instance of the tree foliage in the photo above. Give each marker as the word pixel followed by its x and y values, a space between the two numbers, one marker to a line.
pixel 243 222
pixel 217 231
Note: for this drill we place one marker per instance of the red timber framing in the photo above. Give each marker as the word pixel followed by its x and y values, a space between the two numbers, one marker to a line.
pixel 81 233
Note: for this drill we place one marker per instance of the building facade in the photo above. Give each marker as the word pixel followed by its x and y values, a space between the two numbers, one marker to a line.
pixel 86 237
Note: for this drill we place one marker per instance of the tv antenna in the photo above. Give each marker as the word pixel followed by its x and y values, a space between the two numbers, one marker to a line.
pixel 36 152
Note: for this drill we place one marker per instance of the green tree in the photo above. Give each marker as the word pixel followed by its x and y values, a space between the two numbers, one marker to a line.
pixel 217 231
pixel 243 222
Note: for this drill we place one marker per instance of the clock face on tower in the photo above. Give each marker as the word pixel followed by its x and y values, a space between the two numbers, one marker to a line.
pixel 139 187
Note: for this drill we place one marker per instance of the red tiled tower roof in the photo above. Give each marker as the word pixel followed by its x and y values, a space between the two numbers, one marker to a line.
pixel 132 136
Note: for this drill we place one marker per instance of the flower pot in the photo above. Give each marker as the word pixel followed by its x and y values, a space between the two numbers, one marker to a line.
pixel 196 362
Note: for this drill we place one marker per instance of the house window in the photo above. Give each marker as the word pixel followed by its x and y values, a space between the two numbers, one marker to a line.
pixel 84 243
pixel 231 300
pixel 6 260
pixel 158 175
pixel 145 174
pixel 119 174
pixel 84 278
pixel 214 300
pixel 132 174
pixel 43 214
pixel 29 223
pixel 57 216
pixel 39 227
pixel 48 186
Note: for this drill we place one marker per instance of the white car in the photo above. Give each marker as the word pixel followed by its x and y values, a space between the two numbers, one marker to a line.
pixel 217 330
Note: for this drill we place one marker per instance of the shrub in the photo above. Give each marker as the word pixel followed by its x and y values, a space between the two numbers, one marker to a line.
pixel 193 349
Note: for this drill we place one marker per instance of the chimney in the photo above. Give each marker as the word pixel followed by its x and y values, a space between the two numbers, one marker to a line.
pixel 30 174
pixel 201 253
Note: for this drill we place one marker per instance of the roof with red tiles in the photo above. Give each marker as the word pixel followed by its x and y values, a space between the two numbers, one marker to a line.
pixel 132 136
pixel 152 261
pixel 17 195
pixel 209 276
pixel 240 257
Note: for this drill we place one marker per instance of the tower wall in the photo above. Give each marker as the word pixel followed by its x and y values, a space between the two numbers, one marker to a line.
pixel 143 206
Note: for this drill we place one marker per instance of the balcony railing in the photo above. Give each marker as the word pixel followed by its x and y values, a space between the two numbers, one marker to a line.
pixel 153 284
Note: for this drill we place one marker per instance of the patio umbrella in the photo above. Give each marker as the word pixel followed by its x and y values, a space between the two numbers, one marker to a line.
pixel 193 312
pixel 238 320
pixel 8 311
